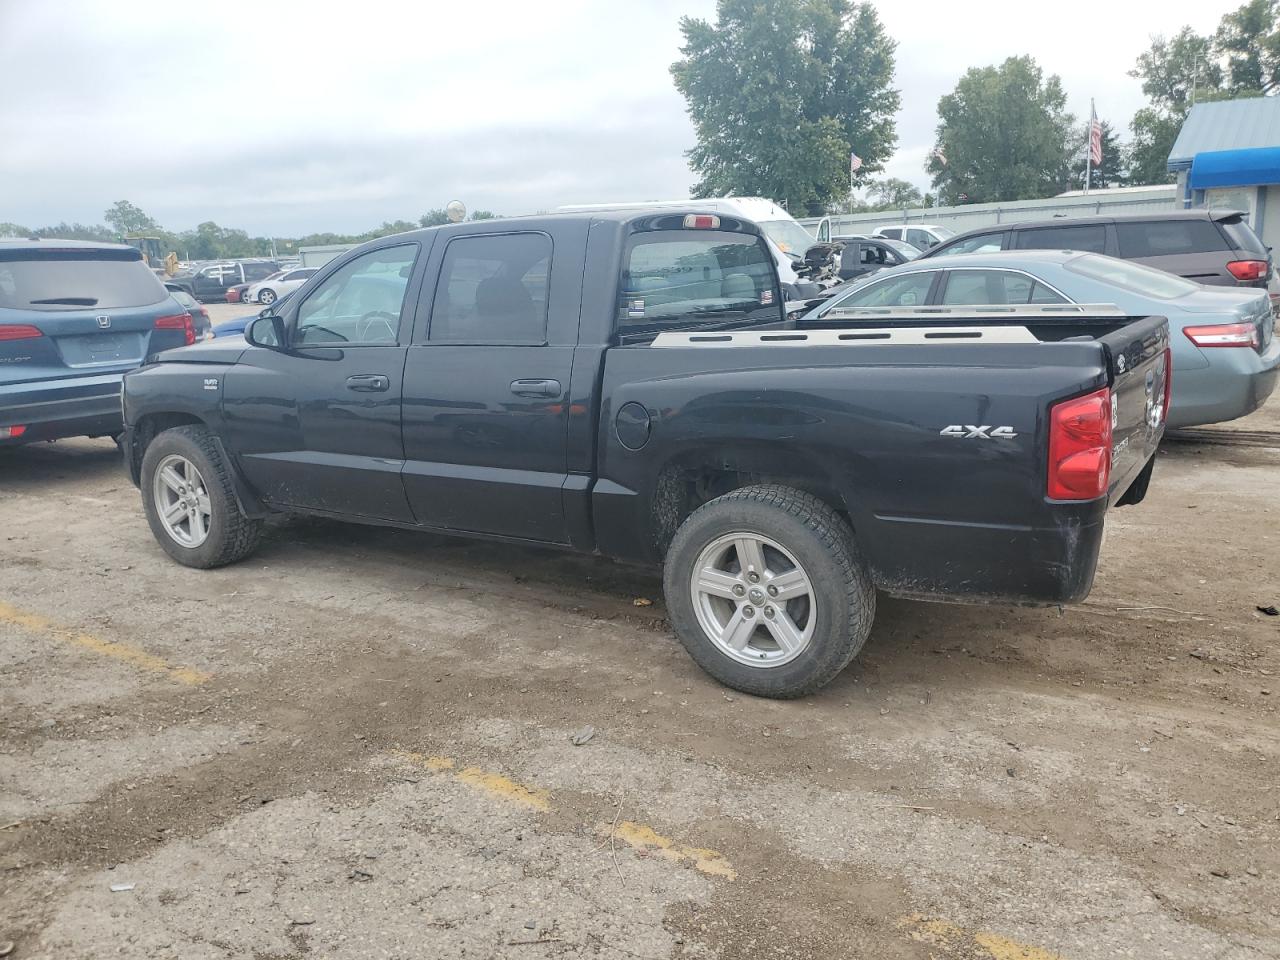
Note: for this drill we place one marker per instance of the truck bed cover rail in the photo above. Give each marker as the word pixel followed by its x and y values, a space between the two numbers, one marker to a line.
pixel 860 337
pixel 993 311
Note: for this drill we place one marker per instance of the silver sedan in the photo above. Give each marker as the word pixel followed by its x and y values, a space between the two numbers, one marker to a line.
pixel 1225 351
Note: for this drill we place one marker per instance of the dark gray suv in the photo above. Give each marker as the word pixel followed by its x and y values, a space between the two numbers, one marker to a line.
pixel 1208 246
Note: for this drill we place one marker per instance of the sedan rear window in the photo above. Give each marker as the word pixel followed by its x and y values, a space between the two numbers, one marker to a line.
pixel 1131 276
pixel 52 280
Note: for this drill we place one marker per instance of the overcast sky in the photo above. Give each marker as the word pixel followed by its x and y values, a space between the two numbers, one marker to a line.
pixel 292 118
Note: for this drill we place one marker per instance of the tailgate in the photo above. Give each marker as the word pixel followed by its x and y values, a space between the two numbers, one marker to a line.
pixel 1138 366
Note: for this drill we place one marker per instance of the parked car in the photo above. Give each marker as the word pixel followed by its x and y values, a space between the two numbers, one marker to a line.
pixel 235 328
pixel 1225 352
pixel 210 281
pixel 922 236
pixel 199 312
pixel 275 286
pixel 235 292
pixel 1216 247
pixel 74 317
pixel 864 255
pixel 626 384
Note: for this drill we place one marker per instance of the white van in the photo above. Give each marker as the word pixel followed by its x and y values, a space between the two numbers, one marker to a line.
pixel 786 237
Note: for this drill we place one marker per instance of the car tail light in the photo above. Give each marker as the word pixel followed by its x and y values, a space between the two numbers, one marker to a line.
pixel 1224 335
pixel 18 331
pixel 1248 269
pixel 701 221
pixel 179 321
pixel 1080 447
pixel 8 433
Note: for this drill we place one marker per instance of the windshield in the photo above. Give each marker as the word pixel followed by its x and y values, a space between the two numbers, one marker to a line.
pixel 788 236
pixel 905 249
pixel 942 233
pixel 1130 276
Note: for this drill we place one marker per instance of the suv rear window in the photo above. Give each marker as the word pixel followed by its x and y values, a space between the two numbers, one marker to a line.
pixel 52 280
pixel 1164 238
pixel 1243 238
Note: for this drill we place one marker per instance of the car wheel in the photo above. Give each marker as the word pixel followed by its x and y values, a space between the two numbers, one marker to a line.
pixel 767 591
pixel 267 296
pixel 189 501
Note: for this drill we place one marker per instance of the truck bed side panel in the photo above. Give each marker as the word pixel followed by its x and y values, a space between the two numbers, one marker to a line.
pixel 936 452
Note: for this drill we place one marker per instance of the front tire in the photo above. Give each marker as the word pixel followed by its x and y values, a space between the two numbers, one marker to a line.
pixel 189 501
pixel 267 296
pixel 767 591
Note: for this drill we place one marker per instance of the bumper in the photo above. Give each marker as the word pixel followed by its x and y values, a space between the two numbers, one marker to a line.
pixel 85 407
pixel 1234 384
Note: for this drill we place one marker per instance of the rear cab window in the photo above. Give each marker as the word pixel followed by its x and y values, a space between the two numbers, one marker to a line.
pixel 1164 238
pixel 685 279
pixel 62 279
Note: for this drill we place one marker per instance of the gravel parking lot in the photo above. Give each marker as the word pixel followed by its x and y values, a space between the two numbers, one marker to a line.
pixel 358 744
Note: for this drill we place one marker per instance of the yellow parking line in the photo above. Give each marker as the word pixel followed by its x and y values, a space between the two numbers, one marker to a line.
pixel 944 933
pixel 640 837
pixel 123 652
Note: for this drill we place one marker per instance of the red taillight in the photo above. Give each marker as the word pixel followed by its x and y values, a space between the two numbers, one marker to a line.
pixel 1224 335
pixel 7 433
pixel 179 321
pixel 1168 383
pixel 18 331
pixel 701 221
pixel 1248 269
pixel 1080 447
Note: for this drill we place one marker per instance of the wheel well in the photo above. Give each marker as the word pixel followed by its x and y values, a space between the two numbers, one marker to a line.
pixel 683 488
pixel 151 426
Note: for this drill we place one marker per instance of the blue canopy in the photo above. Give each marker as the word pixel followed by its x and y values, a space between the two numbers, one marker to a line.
pixel 1235 168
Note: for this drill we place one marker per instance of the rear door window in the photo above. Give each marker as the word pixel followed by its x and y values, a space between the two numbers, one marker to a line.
pixel 1164 238
pixel 988 287
pixel 55 280
pixel 674 279
pixel 493 289
pixel 1088 238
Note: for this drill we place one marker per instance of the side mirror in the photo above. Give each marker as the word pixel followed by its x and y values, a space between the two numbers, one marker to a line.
pixel 266 331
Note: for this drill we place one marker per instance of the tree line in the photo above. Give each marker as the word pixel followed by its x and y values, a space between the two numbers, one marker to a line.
pixel 781 93
pixel 209 241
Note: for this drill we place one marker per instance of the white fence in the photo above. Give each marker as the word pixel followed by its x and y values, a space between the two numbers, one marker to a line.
pixel 1121 201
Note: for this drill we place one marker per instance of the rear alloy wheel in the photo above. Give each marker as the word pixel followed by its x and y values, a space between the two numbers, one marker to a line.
pixel 767 591
pixel 267 296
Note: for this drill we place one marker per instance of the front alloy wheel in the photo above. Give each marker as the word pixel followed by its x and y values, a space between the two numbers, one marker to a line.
pixel 182 501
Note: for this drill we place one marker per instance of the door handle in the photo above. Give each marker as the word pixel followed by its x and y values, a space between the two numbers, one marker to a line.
pixel 535 388
pixel 369 382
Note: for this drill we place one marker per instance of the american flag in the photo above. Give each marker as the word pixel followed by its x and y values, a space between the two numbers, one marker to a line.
pixel 1095 137
pixel 855 163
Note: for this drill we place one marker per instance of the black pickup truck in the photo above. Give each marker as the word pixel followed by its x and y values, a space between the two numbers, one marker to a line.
pixel 627 384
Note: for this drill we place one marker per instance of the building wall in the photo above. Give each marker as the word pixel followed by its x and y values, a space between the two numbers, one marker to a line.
pixel 973 215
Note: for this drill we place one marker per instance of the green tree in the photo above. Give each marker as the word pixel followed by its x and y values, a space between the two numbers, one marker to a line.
pixel 781 91
pixel 1003 135
pixel 435 217
pixel 1154 132
pixel 892 193
pixel 1249 40
pixel 483 215
pixel 14 230
pixel 129 221
pixel 1112 172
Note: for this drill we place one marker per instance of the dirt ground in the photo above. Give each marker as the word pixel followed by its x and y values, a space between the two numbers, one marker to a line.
pixel 357 744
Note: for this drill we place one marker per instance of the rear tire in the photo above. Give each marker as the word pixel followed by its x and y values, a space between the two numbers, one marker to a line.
pixel 789 619
pixel 190 503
